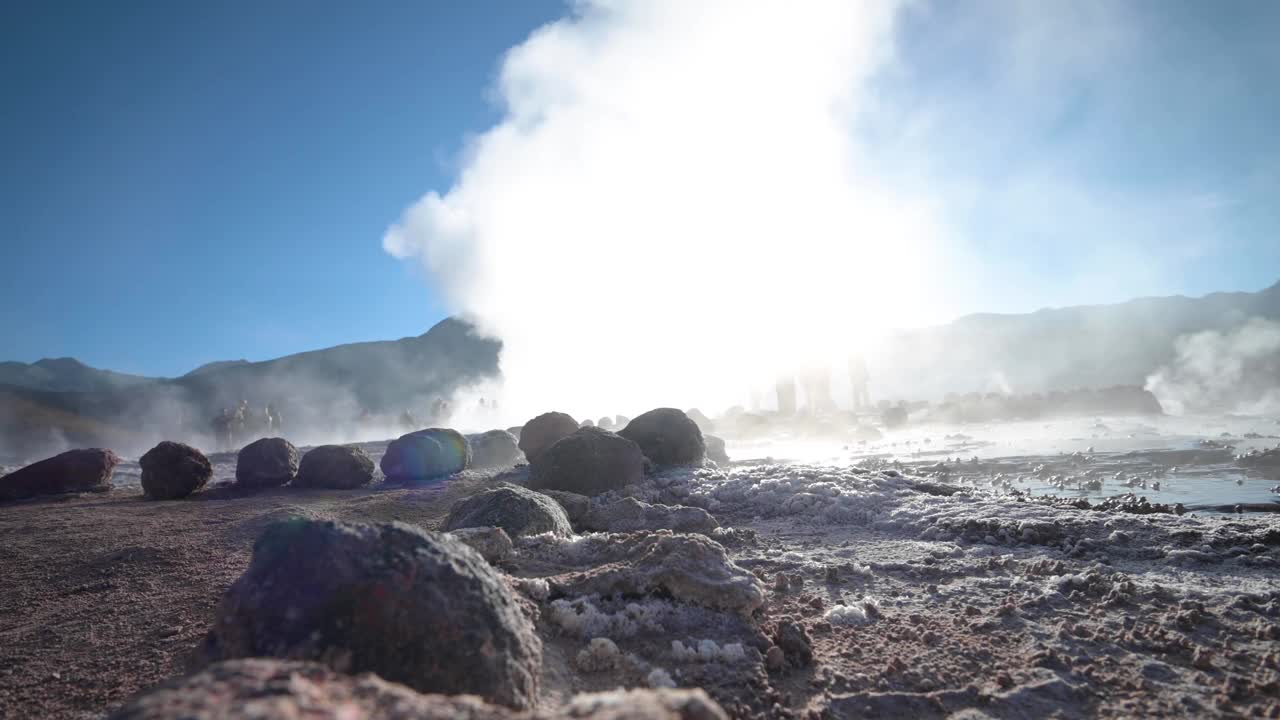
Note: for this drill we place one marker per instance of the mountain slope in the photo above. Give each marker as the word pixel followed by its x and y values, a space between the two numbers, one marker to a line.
pixel 65 375
pixel 1058 349
pixel 319 389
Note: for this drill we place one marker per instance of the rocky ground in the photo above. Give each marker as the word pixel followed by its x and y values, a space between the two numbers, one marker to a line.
pixel 784 591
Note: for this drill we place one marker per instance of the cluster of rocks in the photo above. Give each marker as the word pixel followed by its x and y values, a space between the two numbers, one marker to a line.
pixel 384 621
pixel 391 620
pixel 173 470
pixel 563 455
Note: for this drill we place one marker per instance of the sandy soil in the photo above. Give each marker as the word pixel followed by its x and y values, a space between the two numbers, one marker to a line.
pixel 913 597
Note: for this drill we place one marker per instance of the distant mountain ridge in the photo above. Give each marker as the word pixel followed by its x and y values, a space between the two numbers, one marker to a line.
pixel 1058 348
pixel 65 375
pixel 1051 349
pixel 329 387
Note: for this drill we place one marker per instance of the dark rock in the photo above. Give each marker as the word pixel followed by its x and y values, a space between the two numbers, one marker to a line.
pixel 173 470
pixel 414 607
pixel 588 462
pixel 517 510
pixel 493 543
pixel 426 455
pixel 667 437
pixel 269 462
pixel 794 641
pixel 341 467
pixel 494 449
pixel 543 431
pixel 715 449
pixel 631 515
pixel 575 505
pixel 84 470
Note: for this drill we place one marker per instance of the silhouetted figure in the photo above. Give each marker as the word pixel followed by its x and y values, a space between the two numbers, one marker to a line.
pixel 858 379
pixel 222 429
pixel 240 423
pixel 786 388
pixel 817 390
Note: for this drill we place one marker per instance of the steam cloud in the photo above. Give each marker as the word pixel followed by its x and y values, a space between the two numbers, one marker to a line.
pixel 676 207
pixel 1215 370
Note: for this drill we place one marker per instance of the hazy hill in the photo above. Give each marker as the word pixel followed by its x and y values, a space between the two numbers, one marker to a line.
pixel 66 401
pixel 1058 349
pixel 330 386
pixel 65 374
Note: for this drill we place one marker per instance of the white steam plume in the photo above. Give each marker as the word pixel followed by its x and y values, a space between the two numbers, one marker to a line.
pixel 1236 370
pixel 675 206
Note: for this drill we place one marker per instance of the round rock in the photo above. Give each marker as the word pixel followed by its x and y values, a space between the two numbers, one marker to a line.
pixel 269 462
pixel 417 608
pixel 426 455
pixel 588 462
pixel 84 470
pixel 173 470
pixel 715 449
pixel 667 437
pixel 341 467
pixel 494 449
pixel 517 510
pixel 543 431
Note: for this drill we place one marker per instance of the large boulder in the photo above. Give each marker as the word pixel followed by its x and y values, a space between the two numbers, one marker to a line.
pixel 517 510
pixel 426 455
pixel 543 431
pixel 631 515
pixel 84 470
pixel 173 470
pixel 588 462
pixel 414 607
pixel 341 467
pixel 293 690
pixel 667 437
pixel 269 462
pixel 494 449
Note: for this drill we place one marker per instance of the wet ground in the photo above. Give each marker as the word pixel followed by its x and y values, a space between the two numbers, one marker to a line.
pixel 1167 460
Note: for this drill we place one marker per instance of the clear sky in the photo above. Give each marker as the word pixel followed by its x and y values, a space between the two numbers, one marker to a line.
pixel 186 182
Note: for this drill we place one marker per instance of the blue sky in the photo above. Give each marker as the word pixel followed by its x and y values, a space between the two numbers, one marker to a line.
pixel 190 182
pixel 186 182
